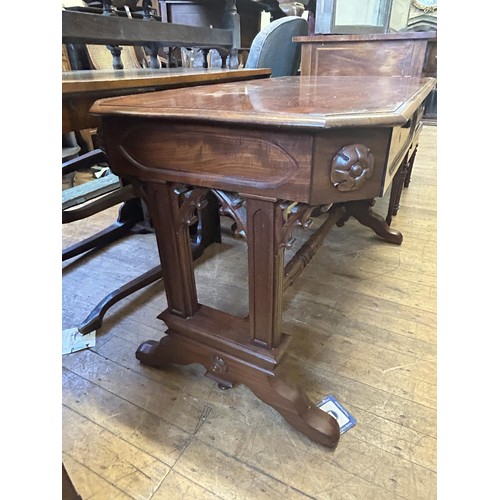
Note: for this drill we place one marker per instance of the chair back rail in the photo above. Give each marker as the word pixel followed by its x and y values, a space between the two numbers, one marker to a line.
pixel 82 27
pixel 115 31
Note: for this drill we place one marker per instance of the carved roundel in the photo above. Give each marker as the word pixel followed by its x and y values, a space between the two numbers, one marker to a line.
pixel 352 166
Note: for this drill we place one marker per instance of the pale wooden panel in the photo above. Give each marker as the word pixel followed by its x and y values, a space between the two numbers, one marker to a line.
pixel 66 65
pixel 101 57
pixel 128 468
pixel 127 421
pixel 186 412
pixel 177 487
pixel 90 484
pixel 230 478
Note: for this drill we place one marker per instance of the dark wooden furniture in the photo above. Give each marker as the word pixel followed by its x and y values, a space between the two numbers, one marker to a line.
pixel 79 90
pixel 114 30
pixel 381 54
pixel 211 13
pixel 276 152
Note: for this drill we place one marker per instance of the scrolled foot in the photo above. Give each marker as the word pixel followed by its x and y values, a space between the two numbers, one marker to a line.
pixel 298 410
pixel 363 213
pixel 266 383
pixel 153 353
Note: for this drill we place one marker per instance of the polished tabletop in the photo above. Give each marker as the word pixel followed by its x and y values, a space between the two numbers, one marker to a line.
pixel 81 88
pixel 108 80
pixel 291 101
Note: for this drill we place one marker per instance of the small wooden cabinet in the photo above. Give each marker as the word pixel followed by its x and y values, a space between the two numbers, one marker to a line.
pixel 381 54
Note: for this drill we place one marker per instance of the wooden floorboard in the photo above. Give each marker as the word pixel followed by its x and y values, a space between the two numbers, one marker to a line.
pixel 362 317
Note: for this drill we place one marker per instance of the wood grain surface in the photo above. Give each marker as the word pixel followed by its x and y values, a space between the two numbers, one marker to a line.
pixel 287 101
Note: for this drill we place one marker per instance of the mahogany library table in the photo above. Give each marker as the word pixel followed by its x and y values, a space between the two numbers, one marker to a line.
pixel 275 152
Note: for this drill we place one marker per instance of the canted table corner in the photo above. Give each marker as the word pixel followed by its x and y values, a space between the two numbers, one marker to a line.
pixel 275 153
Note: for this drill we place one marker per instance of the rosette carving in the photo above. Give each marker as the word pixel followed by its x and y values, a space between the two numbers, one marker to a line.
pixel 352 166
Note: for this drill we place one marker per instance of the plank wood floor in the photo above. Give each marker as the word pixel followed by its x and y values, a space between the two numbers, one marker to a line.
pixel 363 319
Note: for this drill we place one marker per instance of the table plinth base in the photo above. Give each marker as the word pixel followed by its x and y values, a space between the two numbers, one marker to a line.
pixel 231 359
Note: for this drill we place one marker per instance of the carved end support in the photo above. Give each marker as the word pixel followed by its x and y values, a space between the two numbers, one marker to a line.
pixel 352 166
pixel 192 200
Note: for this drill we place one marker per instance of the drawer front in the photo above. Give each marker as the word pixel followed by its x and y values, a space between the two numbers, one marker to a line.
pixel 402 140
pixel 349 164
pixel 273 164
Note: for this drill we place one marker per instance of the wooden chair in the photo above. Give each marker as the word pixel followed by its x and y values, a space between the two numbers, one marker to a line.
pixel 82 201
pixel 94 196
pixel 87 199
